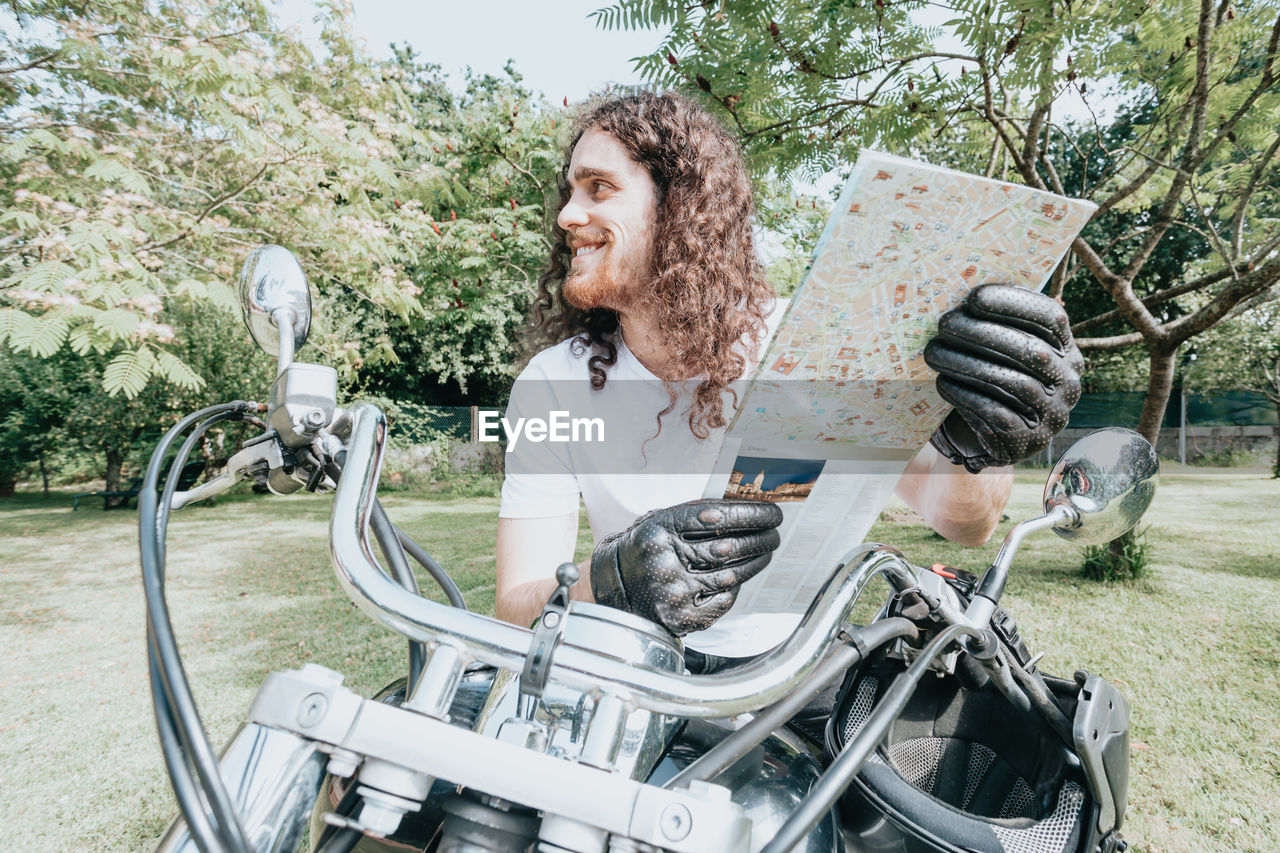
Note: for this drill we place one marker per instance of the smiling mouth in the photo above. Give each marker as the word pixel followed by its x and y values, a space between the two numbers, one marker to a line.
pixel 587 249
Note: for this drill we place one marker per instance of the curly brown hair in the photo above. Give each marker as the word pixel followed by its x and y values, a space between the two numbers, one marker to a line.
pixel 708 291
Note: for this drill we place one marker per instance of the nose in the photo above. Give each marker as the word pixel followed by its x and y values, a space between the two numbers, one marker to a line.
pixel 572 215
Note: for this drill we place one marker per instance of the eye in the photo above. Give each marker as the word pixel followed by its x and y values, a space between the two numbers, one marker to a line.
pixel 599 187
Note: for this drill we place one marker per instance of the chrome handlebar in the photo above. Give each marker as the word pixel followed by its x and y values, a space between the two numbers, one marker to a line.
pixel 475 637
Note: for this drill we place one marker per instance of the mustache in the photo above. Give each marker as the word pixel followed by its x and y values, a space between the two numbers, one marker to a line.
pixel 583 236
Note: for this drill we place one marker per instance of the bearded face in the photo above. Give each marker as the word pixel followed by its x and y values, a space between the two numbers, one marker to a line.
pixel 609 224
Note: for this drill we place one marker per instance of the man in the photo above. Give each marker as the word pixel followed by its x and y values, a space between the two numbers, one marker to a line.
pixel 655 293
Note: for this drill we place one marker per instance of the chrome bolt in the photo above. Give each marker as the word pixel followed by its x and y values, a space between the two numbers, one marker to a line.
pixel 343 763
pixel 312 709
pixel 676 822
pixel 315 418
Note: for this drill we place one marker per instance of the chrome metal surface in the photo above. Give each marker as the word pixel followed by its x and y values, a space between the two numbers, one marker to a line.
pixel 303 400
pixel 607 801
pixel 274 777
pixel 721 695
pixel 982 606
pixel 605 732
pixel 769 781
pixel 438 683
pixel 1109 478
pixel 273 289
pixel 237 467
pixel 564 713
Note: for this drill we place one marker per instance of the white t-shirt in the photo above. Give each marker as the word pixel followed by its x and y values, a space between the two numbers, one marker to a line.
pixel 635 469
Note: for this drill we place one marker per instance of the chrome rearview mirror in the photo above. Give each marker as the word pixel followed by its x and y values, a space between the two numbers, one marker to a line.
pixel 1109 478
pixel 274 295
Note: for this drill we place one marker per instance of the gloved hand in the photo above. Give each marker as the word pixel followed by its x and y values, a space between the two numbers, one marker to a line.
pixel 1008 363
pixel 681 566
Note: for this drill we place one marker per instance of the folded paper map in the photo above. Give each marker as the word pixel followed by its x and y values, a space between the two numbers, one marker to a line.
pixel 842 399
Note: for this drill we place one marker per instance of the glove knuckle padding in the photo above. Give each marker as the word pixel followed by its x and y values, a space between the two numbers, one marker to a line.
pixel 1018 307
pixel 682 566
pixel 1007 362
pixel 983 384
pixel 733 549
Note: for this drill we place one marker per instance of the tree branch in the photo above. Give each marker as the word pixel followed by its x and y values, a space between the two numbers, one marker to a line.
pixel 1266 79
pixel 1243 288
pixel 34 63
pixel 1111 343
pixel 1152 164
pixel 1189 159
pixel 1152 299
pixel 1237 219
pixel 210 208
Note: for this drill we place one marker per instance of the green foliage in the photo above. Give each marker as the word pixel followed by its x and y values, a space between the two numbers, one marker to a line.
pixel 1180 146
pixel 1242 353
pixel 477 263
pixel 788 230
pixel 1227 457
pixel 146 149
pixel 1127 558
pixel 32 403
pixel 61 403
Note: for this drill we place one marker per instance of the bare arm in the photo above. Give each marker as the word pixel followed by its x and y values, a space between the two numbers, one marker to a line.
pixel 529 551
pixel 963 507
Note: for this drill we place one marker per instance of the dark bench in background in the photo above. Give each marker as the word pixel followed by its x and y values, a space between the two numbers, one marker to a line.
pixel 186 479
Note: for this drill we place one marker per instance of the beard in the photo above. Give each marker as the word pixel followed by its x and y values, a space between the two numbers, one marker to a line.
pixel 612 280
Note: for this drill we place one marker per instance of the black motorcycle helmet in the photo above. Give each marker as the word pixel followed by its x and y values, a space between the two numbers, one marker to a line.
pixel 963 771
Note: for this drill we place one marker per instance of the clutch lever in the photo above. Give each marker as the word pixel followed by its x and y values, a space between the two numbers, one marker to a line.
pixel 547 634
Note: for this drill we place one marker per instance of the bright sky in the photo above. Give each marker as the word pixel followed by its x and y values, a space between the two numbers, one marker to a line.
pixel 554 44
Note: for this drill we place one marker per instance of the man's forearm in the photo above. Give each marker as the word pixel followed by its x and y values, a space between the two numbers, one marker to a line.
pixel 963 507
pixel 521 604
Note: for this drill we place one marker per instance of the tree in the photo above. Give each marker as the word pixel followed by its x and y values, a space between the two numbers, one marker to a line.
pixel 1244 353
pixel 146 148
pixel 480 261
pixel 33 401
pixel 1191 155
pixel 61 401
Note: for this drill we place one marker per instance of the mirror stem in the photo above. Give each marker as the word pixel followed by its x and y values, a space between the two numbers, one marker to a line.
pixel 991 587
pixel 284 318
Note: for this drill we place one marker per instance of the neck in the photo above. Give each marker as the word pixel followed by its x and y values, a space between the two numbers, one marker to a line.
pixel 643 336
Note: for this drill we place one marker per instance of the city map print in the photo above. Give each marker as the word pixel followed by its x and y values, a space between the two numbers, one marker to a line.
pixel 906 242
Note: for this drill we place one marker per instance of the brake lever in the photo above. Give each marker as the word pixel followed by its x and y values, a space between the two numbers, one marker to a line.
pixel 546 637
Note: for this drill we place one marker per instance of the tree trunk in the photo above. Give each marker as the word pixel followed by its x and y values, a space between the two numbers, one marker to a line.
pixel 8 484
pixel 44 475
pixel 1159 389
pixel 1275 470
pixel 115 461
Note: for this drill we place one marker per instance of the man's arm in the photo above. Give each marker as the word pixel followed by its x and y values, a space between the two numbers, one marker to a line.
pixel 963 507
pixel 529 552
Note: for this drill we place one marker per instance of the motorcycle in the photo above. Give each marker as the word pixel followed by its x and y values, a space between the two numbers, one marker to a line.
pixel 586 732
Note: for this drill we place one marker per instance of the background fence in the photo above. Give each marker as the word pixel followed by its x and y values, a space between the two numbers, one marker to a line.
pixel 1217 428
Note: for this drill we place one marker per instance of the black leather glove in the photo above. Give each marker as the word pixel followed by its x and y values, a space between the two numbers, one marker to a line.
pixel 681 566
pixel 1008 363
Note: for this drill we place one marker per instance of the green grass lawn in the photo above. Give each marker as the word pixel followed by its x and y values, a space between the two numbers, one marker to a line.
pixel 1195 645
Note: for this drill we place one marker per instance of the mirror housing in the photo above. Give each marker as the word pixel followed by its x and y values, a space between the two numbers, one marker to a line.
pixel 1109 478
pixel 274 294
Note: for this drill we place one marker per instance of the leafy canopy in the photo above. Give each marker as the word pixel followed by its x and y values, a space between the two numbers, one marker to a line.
pixel 147 147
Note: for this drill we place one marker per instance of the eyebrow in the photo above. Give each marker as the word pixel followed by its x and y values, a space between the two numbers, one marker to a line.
pixel 583 173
